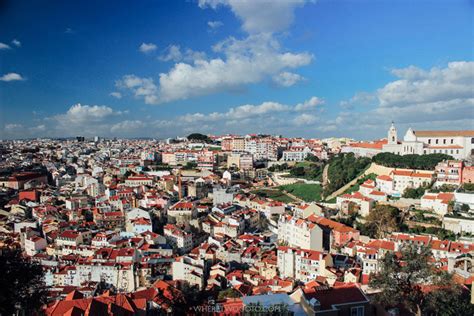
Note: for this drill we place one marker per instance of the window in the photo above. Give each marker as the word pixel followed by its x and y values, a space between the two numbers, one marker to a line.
pixel 444 141
pixel 472 140
pixel 429 141
pixel 357 311
pixel 452 141
pixel 436 141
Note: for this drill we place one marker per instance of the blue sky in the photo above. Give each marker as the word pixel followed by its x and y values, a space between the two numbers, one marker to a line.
pixel 297 68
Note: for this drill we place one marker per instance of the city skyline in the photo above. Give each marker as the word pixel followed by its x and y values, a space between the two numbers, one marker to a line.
pixel 161 69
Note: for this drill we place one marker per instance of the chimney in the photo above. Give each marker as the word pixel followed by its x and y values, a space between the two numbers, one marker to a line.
pixel 180 194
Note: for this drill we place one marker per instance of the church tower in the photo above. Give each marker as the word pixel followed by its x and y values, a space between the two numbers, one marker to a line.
pixel 392 135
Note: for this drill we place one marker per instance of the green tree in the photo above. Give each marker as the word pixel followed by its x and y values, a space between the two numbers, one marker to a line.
pixel 22 287
pixel 448 300
pixel 312 158
pixel 409 278
pixel 127 174
pixel 468 187
pixel 190 165
pixel 297 171
pixel 228 293
pixel 422 162
pixel 465 208
pixel 383 219
pixel 199 138
pixel 342 169
pixel 414 193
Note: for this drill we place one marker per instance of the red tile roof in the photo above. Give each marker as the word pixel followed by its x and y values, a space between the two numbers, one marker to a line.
pixel 344 294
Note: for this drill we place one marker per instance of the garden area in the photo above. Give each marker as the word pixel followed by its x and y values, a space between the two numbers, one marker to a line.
pixel 274 194
pixel 306 192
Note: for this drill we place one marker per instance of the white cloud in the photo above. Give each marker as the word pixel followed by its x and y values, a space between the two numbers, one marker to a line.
pixel 12 76
pixel 287 79
pixel 79 114
pixel 359 99
pixel 249 111
pixel 173 53
pixel 305 119
pixel 438 95
pixel 416 85
pixel 87 120
pixel 12 127
pixel 126 127
pixel 4 46
pixel 246 61
pixel 144 88
pixel 266 117
pixel 309 104
pixel 16 42
pixel 147 48
pixel 37 129
pixel 215 24
pixel 116 94
pixel 260 16
pixel 236 62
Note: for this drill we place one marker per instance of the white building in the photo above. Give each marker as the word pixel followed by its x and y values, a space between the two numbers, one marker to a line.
pixel 140 225
pixel 297 232
pixel 300 264
pixel 69 238
pixel 296 154
pixel 183 209
pixel 35 244
pixel 458 144
pixel 178 238
pixel 385 184
pixel 273 208
pixel 458 224
pixel 437 202
pixel 191 270
pixel 365 203
pixel 135 181
pixel 137 213
pixel 401 179
pixel 464 198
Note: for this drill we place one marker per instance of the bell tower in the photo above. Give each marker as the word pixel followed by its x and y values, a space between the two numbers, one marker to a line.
pixel 392 135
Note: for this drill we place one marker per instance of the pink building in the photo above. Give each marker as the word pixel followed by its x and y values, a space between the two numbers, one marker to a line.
pixel 468 175
pixel 449 172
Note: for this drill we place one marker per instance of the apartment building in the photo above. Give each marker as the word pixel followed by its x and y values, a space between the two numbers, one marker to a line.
pixel 301 264
pixel 449 172
pixel 437 202
pixel 400 179
pixel 191 270
pixel 178 238
pixel 296 154
pixel 297 232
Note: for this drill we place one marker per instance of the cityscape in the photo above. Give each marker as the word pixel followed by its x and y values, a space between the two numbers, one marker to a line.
pixel 235 157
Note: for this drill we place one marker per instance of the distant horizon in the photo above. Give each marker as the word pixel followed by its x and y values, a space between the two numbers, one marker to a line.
pixel 210 134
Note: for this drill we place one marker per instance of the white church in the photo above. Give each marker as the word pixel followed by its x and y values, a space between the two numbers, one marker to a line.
pixel 459 144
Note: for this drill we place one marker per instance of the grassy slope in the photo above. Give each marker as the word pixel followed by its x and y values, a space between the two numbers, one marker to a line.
pixel 306 192
pixel 275 195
